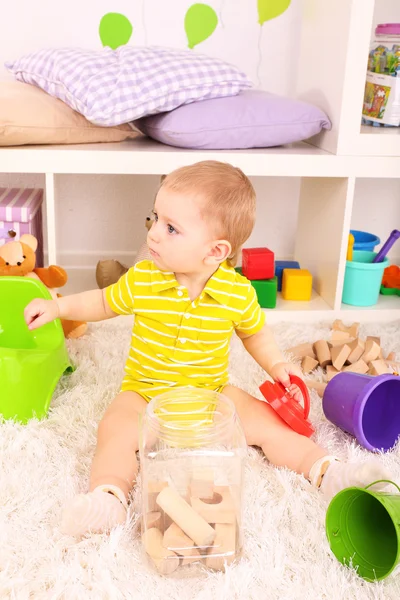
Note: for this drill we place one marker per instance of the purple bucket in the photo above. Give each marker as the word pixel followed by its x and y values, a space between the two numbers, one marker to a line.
pixel 367 407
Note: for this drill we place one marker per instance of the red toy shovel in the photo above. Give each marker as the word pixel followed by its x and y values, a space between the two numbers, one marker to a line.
pixel 287 407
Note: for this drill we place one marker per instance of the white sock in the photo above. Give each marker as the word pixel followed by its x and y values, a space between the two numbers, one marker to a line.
pixel 331 476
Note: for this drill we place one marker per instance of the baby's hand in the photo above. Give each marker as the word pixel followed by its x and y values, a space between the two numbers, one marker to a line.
pixel 40 311
pixel 281 372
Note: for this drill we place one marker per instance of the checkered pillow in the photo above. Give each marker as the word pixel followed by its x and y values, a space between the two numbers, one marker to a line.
pixel 111 87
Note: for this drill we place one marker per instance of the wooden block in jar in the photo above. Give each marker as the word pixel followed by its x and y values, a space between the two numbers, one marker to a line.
pixel 358 367
pixel 202 483
pixel 165 561
pixel 302 350
pixel 176 540
pixel 223 550
pixel 308 364
pixel 219 509
pixel 323 353
pixel 154 487
pixel 339 355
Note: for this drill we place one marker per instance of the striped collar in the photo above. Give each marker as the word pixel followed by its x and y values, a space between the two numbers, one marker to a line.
pixel 224 277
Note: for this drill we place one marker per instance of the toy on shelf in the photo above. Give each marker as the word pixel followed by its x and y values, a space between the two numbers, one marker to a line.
pixel 31 362
pixel 367 407
pixel 280 265
pixel 258 263
pixel 287 407
pixel 266 290
pixel 17 259
pixel 345 352
pixel 391 281
pixel 364 240
pixel 296 284
pixel 362 279
pixel 393 237
pixel 350 246
pixel 109 271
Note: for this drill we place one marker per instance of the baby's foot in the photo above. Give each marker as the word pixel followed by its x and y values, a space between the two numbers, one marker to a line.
pixel 332 476
pixel 97 511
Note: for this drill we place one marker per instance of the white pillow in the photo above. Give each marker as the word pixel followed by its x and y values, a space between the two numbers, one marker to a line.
pixel 111 87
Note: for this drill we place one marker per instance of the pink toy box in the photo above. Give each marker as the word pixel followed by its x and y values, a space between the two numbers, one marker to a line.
pixel 21 212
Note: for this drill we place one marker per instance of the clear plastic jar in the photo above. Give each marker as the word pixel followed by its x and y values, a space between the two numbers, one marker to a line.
pixel 382 89
pixel 191 455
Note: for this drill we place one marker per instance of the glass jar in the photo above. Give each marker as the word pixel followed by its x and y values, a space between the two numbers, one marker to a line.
pixel 382 88
pixel 192 448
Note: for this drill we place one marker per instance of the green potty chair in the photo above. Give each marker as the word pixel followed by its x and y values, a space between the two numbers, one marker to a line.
pixel 31 362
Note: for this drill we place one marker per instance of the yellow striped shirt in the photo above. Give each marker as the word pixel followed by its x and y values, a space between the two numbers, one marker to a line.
pixel 176 341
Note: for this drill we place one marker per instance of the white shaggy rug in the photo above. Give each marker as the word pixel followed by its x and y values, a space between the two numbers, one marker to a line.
pixel 43 464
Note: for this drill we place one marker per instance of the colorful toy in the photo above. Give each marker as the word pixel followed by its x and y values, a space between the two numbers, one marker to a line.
pixel 362 280
pixel 17 259
pixel 366 407
pixel 287 407
pixel 350 245
pixel 280 265
pixel 296 284
pixel 109 271
pixel 258 263
pixel 363 530
pixel 364 240
pixel 386 246
pixel 266 290
pixel 391 277
pixel 31 362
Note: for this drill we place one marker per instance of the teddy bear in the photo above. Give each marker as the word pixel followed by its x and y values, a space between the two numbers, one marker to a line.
pixel 109 271
pixel 18 259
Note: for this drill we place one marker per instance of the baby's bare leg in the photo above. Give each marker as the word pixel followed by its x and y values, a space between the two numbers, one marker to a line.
pixel 264 428
pixel 115 462
pixel 114 470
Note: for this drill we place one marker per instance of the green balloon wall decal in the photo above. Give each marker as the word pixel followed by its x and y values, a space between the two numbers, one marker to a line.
pixel 200 22
pixel 115 30
pixel 269 9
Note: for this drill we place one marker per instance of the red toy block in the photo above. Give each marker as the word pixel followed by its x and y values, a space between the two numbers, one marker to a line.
pixel 258 263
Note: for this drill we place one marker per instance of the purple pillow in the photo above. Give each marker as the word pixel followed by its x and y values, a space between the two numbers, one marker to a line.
pixel 251 119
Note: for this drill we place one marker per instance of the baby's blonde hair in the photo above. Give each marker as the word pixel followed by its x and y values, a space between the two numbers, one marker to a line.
pixel 228 199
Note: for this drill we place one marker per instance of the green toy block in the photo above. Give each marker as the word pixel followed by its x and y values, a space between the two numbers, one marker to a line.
pixel 266 290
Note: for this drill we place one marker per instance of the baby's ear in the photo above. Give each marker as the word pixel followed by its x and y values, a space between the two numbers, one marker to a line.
pixel 219 252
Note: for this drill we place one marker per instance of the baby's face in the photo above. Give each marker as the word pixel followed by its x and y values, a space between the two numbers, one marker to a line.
pixel 180 238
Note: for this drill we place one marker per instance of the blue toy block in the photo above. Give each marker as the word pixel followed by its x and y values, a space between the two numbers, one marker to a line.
pixel 284 264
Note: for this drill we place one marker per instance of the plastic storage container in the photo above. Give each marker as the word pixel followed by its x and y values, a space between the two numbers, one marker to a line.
pixel 382 88
pixel 191 454
pixel 362 279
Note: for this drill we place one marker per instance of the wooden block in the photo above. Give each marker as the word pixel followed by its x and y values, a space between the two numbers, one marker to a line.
pixel 323 353
pixel 220 509
pixel 165 560
pixel 391 356
pixel 188 519
pixel 308 364
pixel 371 352
pixel 153 489
pixel 302 350
pixel 342 336
pixel 357 348
pixel 202 483
pixel 318 386
pixel 377 340
pixel 335 343
pixel 358 367
pixel 339 355
pixel 331 371
pixel 223 550
pixel 378 367
pixel 153 519
pixel 176 540
pixel 352 330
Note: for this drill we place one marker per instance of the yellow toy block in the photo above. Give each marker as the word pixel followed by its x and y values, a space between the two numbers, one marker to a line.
pixel 296 284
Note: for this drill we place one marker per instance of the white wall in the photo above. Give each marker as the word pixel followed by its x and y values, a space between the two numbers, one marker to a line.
pixel 103 217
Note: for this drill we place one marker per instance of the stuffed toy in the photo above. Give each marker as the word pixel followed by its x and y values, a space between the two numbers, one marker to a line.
pixel 18 259
pixel 109 271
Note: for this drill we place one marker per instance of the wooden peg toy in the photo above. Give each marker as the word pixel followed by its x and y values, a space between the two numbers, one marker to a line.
pixel 323 353
pixel 308 364
pixel 357 348
pixel 223 551
pixel 166 561
pixel 220 509
pixel 372 351
pixel 339 356
pixel 202 483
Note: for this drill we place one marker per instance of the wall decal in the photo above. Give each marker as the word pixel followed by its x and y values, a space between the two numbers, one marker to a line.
pixel 200 22
pixel 115 30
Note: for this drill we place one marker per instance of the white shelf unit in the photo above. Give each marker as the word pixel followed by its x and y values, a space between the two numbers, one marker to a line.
pixel 335 41
pixel 329 165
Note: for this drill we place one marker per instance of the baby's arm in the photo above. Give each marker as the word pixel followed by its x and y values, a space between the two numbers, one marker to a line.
pixel 87 306
pixel 263 348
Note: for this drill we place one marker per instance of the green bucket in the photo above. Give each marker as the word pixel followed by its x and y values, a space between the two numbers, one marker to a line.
pixel 363 530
